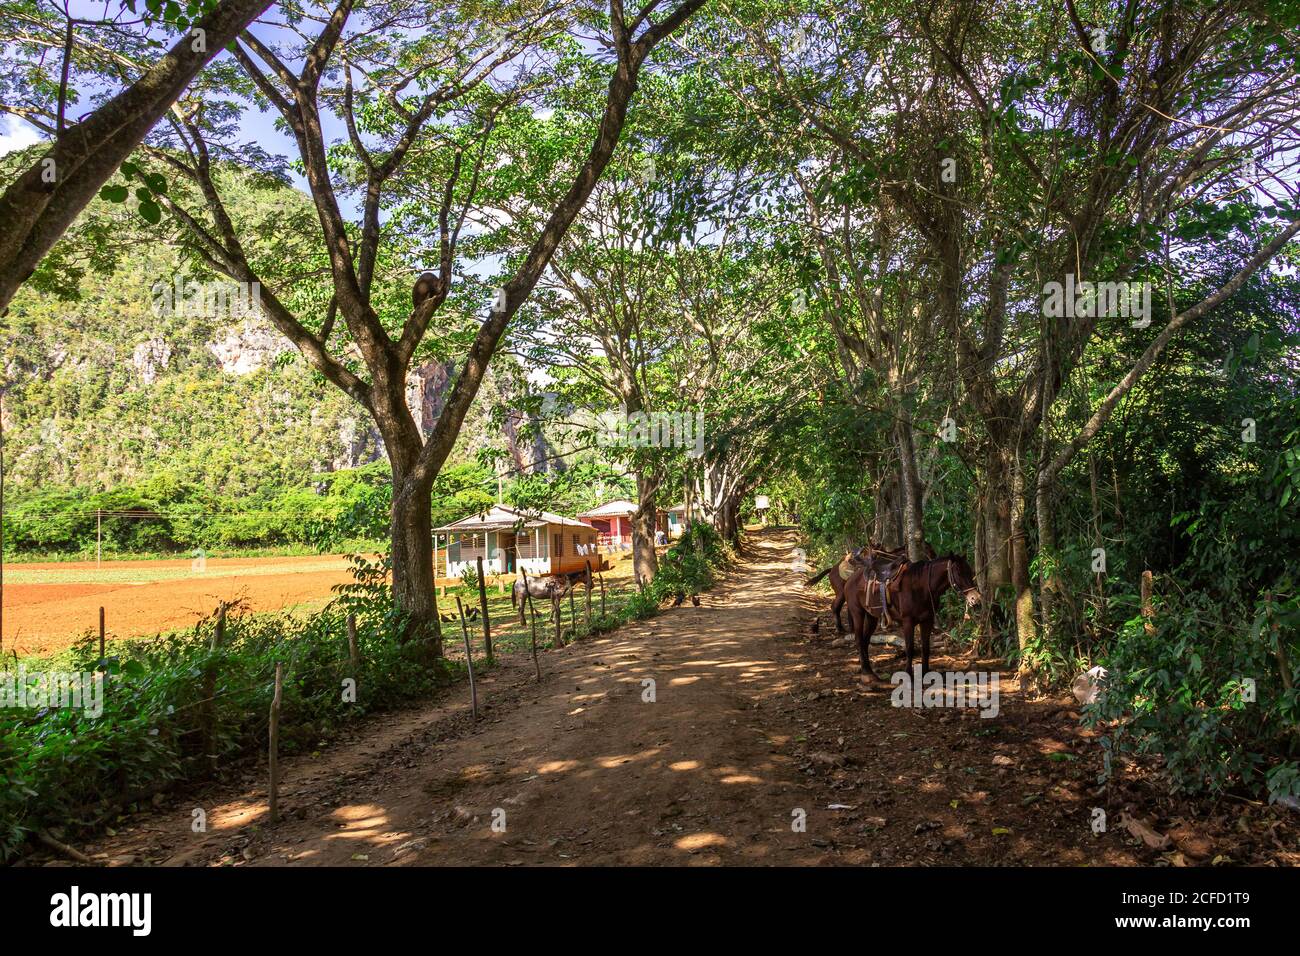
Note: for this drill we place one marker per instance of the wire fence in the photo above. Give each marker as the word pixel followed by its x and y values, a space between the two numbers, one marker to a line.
pixel 509 636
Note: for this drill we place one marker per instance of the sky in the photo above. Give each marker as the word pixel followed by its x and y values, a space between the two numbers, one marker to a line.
pixel 15 134
pixel 257 126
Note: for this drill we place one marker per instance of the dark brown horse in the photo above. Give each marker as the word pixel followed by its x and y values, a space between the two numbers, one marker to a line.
pixel 876 560
pixel 911 598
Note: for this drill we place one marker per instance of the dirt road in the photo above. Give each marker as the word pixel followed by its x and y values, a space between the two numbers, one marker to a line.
pixel 756 743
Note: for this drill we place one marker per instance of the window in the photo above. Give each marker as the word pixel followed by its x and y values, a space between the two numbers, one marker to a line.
pixel 559 546
pixel 453 549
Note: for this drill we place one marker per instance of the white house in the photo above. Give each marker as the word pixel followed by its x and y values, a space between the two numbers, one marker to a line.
pixel 509 539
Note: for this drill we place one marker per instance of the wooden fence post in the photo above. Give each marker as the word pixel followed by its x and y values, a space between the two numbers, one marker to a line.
pixel 555 614
pixel 273 755
pixel 469 654
pixel 533 615
pixel 589 596
pixel 101 637
pixel 354 653
pixel 573 616
pixel 482 604
pixel 208 714
pixel 602 594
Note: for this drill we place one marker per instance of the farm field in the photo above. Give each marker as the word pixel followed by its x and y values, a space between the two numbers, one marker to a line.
pixel 49 605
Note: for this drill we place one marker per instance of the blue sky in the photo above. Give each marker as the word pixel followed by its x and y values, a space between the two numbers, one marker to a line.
pixel 257 126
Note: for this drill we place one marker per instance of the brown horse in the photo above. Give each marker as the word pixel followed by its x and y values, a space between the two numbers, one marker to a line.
pixel 876 560
pixel 549 586
pixel 911 598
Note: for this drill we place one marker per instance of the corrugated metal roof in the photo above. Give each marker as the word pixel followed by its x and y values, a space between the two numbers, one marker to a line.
pixel 501 518
pixel 619 507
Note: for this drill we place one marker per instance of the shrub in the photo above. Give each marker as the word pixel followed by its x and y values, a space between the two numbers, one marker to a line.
pixel 61 765
pixel 1183 692
pixel 688 566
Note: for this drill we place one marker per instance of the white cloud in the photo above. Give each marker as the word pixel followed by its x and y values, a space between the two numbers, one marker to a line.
pixel 15 134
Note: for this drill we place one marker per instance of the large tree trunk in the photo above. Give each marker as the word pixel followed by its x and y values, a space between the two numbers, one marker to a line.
pixel 1049 577
pixel 1025 623
pixel 727 516
pixel 731 519
pixel 645 560
pixel 887 523
pixel 687 496
pixel 412 557
pixel 411 526
pixel 996 502
pixel 910 484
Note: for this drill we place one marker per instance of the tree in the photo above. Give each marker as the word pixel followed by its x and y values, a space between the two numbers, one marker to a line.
pixel 42 202
pixel 462 66
pixel 1075 145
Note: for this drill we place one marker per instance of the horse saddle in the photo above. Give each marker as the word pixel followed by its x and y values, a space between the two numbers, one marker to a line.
pixel 882 576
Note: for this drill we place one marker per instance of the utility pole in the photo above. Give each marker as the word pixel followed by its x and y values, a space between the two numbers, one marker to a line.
pixel 99 535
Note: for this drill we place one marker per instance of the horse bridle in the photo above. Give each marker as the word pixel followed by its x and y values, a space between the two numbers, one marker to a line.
pixel 952 580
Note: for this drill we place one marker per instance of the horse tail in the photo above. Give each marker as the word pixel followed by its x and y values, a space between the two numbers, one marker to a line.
pixel 821 575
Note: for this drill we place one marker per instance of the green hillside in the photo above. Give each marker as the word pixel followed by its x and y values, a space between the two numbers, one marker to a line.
pixel 209 424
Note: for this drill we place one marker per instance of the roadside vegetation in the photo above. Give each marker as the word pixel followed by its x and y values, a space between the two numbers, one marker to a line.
pixel 187 706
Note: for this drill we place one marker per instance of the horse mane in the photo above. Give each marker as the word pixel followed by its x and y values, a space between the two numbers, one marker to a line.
pixel 914 567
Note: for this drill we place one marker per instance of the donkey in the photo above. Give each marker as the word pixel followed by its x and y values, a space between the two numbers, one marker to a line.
pixel 550 586
pixel 911 598
pixel 875 559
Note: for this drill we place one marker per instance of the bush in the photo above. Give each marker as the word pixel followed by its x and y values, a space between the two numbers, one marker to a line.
pixel 61 765
pixel 470 578
pixel 688 566
pixel 1183 692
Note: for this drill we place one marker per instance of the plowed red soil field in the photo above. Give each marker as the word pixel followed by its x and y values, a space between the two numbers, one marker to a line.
pixel 47 606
